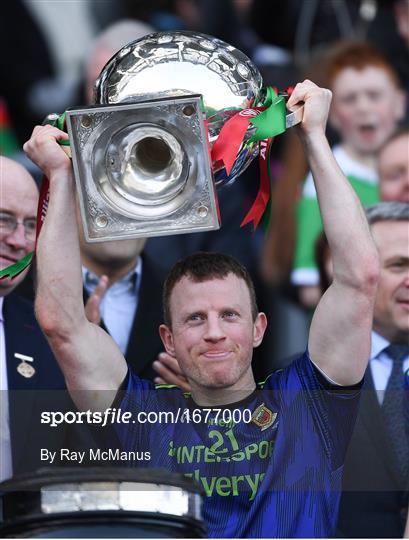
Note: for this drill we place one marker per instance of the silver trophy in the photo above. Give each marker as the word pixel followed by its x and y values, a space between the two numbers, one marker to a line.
pixel 142 155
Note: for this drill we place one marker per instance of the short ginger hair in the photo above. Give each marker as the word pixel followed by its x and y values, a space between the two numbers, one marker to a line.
pixel 356 55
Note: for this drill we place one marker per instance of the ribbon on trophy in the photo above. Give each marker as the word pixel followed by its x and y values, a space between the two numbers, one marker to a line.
pixel 269 120
pixel 15 269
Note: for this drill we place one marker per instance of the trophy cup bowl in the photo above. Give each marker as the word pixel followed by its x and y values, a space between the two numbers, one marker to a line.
pixel 142 154
pixel 181 63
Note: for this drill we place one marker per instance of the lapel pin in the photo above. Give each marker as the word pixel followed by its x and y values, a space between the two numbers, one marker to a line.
pixel 25 369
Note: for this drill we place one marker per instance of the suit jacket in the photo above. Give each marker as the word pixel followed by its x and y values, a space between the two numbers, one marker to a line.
pixel 373 501
pixel 144 343
pixel 45 390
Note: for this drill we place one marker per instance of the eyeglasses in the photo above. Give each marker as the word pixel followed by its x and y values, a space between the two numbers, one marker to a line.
pixel 8 224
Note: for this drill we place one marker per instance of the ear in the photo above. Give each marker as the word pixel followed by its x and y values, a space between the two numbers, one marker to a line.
pixel 259 327
pixel 167 339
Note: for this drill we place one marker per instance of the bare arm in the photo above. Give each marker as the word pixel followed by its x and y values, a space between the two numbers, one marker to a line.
pixel 92 364
pixel 339 341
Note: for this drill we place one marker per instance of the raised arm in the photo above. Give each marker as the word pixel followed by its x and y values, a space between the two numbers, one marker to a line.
pixel 92 364
pixel 339 340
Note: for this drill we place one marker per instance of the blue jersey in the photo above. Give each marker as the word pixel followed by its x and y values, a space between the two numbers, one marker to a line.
pixel 270 465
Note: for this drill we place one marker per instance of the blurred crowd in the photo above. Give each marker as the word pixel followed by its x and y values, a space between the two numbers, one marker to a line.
pixel 53 51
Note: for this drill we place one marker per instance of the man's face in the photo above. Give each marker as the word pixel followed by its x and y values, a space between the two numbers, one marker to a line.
pixel 213 333
pixel 110 255
pixel 393 164
pixel 365 108
pixel 18 199
pixel 391 315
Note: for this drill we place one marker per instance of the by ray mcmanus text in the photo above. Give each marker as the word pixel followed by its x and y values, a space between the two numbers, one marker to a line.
pixel 77 457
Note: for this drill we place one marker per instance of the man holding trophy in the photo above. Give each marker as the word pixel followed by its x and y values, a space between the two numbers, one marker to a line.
pixel 276 471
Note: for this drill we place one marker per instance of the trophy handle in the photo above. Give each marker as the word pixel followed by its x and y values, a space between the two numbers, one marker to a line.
pixel 50 119
pixel 294 117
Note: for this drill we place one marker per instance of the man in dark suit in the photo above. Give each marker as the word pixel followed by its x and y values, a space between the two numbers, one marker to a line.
pixel 35 384
pixel 27 366
pixel 375 498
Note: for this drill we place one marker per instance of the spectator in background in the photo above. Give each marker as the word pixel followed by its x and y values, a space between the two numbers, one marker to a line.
pixel 122 291
pixel 106 44
pixel 367 105
pixel 390 34
pixel 42 66
pixel 401 8
pixel 27 365
pixel 375 497
pixel 393 170
pixel 307 28
pixel 393 167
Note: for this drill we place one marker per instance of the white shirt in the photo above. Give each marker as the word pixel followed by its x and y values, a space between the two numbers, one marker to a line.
pixel 381 364
pixel 349 166
pixel 6 467
pixel 119 303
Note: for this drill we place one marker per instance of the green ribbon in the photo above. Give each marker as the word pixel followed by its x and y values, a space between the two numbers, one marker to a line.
pixel 15 269
pixel 60 124
pixel 270 122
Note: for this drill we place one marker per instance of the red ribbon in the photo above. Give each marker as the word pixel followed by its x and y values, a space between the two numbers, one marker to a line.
pixel 231 136
pixel 259 206
pixel 42 205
